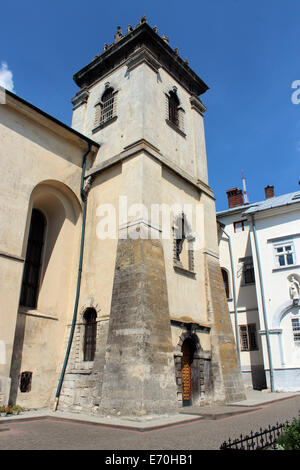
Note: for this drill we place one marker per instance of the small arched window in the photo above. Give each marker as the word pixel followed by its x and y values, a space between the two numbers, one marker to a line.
pixel 173 107
pixel 107 105
pixel 90 334
pixel 105 108
pixel 33 260
pixel 226 281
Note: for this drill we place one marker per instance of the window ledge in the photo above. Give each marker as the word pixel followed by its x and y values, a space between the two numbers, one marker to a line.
pixel 104 124
pixel 283 268
pixel 80 371
pixel 185 271
pixel 35 313
pixel 176 128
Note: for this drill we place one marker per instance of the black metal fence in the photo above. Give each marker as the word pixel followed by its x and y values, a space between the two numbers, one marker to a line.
pixel 264 439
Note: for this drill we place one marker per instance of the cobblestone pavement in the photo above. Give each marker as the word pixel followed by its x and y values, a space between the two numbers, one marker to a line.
pixel 204 434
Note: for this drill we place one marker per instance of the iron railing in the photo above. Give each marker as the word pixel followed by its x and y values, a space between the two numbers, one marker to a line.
pixel 264 439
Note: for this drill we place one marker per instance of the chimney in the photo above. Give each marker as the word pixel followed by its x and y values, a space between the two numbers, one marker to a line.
pixel 235 197
pixel 269 191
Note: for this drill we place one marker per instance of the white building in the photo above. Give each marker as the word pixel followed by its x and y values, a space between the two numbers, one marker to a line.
pixel 265 246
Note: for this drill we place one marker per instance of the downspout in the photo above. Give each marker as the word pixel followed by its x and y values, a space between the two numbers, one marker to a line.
pixel 234 297
pixel 263 304
pixel 83 195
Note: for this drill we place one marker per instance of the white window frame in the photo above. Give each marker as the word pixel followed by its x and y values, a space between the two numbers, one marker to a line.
pixel 296 329
pixel 283 244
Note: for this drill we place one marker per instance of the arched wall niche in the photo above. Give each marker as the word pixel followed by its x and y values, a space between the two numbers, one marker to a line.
pixel 61 209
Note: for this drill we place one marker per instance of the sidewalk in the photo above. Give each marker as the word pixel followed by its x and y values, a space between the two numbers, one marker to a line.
pixel 255 400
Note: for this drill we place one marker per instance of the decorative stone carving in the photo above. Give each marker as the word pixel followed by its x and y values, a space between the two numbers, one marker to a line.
pixel 294 289
pixel 118 34
pixel 80 98
pixel 197 105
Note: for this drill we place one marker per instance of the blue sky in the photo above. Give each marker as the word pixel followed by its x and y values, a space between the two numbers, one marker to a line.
pixel 246 51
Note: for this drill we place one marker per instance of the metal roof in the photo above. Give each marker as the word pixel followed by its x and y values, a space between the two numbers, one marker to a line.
pixel 272 202
pixel 276 201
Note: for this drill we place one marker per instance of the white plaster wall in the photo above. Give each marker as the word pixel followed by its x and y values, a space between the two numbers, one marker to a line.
pixel 141 113
pixel 276 225
pixel 245 294
pixel 31 154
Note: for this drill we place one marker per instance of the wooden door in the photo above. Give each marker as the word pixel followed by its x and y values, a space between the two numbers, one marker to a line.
pixel 186 377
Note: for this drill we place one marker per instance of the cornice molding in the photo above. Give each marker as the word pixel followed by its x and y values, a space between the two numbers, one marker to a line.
pixel 143 145
pixel 142 56
pixel 197 105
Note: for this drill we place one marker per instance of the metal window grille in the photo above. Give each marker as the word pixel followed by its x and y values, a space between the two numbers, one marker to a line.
pixel 173 108
pixel 25 381
pixel 107 106
pixel 90 334
pixel 296 329
pixel 32 267
pixel 248 337
pixel 249 277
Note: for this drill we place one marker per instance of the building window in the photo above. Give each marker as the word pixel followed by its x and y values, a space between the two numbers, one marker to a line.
pixel 284 254
pixel 240 226
pixel 173 107
pixel 175 113
pixel 33 260
pixel 25 381
pixel 105 108
pixel 296 329
pixel 248 337
pixel 226 281
pixel 248 270
pixel 90 334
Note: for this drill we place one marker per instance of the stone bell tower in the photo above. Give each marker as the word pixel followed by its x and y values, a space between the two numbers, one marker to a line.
pixel 166 339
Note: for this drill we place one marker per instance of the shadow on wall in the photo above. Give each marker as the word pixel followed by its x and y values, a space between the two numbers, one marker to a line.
pixel 47 276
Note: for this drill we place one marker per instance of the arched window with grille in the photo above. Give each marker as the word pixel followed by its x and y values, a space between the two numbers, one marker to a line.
pixel 90 334
pixel 33 260
pixel 173 107
pixel 105 108
pixel 174 111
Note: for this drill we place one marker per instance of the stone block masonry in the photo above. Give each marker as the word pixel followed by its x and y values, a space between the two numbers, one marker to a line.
pixel 139 374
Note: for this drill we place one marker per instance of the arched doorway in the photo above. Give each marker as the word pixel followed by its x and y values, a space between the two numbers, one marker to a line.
pixel 187 350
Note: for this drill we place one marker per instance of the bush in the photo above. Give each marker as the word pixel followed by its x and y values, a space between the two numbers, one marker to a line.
pixel 290 438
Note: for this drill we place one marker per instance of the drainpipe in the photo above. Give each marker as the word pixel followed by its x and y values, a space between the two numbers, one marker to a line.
pixel 234 296
pixel 263 304
pixel 83 195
